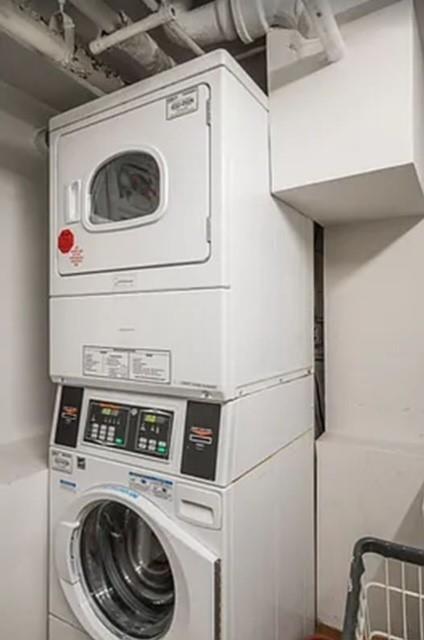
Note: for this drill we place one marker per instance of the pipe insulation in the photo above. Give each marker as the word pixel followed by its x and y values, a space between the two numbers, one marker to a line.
pixel 142 47
pixel 31 32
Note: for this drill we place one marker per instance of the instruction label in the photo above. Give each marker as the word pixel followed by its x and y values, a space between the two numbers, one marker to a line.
pixel 158 487
pixel 151 366
pixel 141 365
pixel 182 103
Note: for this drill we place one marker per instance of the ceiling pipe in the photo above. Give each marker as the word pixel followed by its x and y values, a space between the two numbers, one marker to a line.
pixel 173 29
pixel 248 20
pixel 326 28
pixel 142 47
pixel 32 33
pixel 153 21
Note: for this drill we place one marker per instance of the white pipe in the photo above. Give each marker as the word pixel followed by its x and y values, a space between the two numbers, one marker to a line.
pixel 141 48
pixel 152 21
pixel 322 18
pixel 173 29
pixel 100 13
pixel 210 23
pixel 225 20
pixel 31 34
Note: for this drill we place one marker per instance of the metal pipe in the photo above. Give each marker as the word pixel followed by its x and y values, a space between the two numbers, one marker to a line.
pixel 174 29
pixel 209 24
pixel 100 13
pixel 327 30
pixel 32 34
pixel 182 36
pixel 142 47
pixel 153 21
pixel 35 35
pixel 226 20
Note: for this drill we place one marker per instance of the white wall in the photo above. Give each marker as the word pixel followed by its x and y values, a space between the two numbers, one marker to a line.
pixel 371 461
pixel 347 144
pixel 25 390
pixel 25 393
pixel 343 135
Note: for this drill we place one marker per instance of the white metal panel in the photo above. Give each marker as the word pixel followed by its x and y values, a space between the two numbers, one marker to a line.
pixel 59 630
pixel 269 520
pixel 178 233
pixel 189 327
pixel 271 257
pixel 262 423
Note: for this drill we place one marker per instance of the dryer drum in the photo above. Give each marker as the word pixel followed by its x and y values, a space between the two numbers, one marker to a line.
pixel 127 574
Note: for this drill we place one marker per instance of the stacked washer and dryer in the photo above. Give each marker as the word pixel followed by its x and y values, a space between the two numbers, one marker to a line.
pixel 181 491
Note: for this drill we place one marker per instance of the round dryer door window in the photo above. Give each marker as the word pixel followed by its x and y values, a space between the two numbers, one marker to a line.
pixel 126 572
pixel 125 188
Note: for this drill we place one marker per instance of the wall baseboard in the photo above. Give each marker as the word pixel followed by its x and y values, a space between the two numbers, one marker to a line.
pixel 328 632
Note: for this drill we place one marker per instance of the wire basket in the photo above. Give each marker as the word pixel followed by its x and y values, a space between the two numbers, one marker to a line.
pixel 386 592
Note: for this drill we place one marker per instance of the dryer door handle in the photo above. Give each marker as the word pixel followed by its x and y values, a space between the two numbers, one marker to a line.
pixel 63 551
pixel 73 193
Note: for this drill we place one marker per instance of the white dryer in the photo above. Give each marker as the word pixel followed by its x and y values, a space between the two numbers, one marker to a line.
pixel 162 525
pixel 173 270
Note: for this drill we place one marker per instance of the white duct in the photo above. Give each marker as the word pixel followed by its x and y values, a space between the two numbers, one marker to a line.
pixel 34 34
pixel 142 47
pixel 248 20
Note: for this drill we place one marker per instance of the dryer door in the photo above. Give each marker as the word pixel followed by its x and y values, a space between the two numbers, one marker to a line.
pixel 132 190
pixel 128 571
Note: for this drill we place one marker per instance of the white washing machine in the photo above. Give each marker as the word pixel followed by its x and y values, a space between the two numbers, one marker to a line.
pixel 173 270
pixel 167 520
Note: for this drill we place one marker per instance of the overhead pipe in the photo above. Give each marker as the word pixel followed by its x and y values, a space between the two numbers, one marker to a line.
pixel 34 34
pixel 142 48
pixel 248 20
pixel 326 28
pixel 173 28
pixel 153 21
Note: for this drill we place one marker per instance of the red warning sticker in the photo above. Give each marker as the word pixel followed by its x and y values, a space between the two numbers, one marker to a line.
pixel 76 256
pixel 65 241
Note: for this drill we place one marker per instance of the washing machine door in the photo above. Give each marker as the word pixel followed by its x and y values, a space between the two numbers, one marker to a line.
pixel 128 571
pixel 132 190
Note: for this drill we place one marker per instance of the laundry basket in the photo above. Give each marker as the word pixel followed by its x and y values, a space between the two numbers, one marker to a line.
pixel 386 592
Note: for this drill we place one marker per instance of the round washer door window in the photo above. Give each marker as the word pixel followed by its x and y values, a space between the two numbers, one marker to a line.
pixel 126 572
pixel 126 188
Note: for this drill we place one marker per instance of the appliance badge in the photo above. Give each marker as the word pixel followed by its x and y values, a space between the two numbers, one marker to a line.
pixel 61 461
pixel 182 103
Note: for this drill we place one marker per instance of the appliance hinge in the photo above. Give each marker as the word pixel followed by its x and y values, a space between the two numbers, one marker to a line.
pixel 208 230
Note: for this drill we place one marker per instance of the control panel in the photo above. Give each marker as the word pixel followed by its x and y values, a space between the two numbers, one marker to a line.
pixel 137 429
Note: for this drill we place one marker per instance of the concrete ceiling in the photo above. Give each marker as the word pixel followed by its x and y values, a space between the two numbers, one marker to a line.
pixel 60 90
